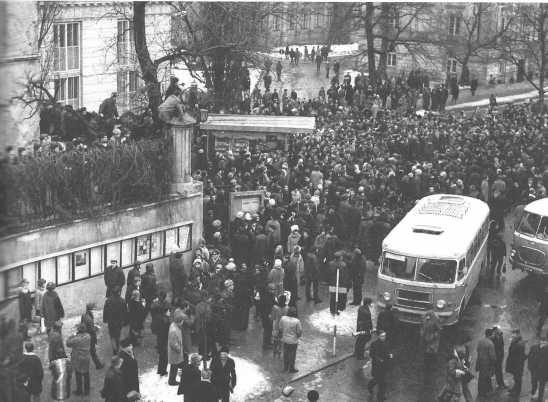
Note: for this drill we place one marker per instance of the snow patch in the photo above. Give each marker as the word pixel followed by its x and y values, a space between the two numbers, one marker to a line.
pixel 323 321
pixel 252 382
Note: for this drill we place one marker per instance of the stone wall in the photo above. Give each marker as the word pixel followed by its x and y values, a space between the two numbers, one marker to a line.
pixel 16 249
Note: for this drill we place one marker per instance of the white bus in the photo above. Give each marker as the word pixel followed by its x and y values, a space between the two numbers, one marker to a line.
pixel 433 258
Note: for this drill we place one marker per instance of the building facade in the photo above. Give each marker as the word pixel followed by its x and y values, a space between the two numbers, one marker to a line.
pixel 19 61
pixel 90 52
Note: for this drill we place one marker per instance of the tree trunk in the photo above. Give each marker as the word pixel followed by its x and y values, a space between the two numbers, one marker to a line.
pixel 149 70
pixel 370 40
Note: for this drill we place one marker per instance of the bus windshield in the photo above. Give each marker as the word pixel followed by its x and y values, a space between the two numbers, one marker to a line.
pixel 419 269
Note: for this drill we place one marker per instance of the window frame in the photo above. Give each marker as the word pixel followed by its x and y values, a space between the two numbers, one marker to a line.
pixel 454 24
pixel 65 49
pixel 391 59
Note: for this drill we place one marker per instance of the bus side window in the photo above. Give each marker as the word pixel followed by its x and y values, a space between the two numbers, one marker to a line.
pixel 462 270
pixel 542 232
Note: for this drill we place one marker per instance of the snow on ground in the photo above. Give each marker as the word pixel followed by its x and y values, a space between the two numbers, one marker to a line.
pixel 323 321
pixel 252 382
pixel 336 50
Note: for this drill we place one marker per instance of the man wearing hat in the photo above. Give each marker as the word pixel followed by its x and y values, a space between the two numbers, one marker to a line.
pixel 80 343
pixel 114 277
pixel 52 308
pixel 88 321
pixel 357 270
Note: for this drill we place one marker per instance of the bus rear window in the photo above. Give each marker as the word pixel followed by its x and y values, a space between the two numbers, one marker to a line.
pixel 399 266
pixel 529 224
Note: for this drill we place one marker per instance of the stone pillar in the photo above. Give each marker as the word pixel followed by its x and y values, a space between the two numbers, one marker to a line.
pixel 181 134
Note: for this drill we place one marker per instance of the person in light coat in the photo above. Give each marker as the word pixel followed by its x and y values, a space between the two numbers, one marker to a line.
pixel 175 352
pixel 80 343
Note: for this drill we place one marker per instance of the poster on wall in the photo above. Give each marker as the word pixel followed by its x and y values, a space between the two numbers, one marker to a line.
pixel 251 204
pixel 222 144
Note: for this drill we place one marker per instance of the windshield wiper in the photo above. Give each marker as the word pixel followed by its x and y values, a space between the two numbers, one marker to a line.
pixel 425 276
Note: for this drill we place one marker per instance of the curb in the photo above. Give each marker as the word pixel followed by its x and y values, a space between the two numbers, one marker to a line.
pixel 330 363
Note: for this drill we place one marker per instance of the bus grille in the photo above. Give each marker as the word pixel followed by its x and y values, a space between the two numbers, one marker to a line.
pixel 414 299
pixel 531 256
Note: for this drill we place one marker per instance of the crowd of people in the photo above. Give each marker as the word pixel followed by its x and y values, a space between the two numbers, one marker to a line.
pixel 329 201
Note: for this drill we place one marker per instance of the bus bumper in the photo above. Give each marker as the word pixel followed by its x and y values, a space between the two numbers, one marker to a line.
pixel 410 316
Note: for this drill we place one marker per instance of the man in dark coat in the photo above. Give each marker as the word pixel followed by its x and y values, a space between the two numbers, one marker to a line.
pixel 357 271
pixel 31 367
pixel 265 304
pixel 129 368
pixel 485 363
pixel 108 107
pixel 149 287
pixel 114 277
pixel 134 272
pixel 191 380
pixel 115 315
pixel 113 388
pixel 162 331
pixel 243 298
pixel 379 365
pixel 312 275
pixel 88 321
pixel 498 341
pixel 515 361
pixel 365 325
pixel 223 375
pixel 177 275
pixel 260 247
pixel 387 321
pixel 290 282
pixel 52 309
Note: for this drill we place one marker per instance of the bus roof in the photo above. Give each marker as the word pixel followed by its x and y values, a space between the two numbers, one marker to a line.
pixel 539 207
pixel 439 226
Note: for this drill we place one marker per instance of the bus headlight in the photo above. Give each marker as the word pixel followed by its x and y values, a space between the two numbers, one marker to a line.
pixel 386 296
pixel 440 304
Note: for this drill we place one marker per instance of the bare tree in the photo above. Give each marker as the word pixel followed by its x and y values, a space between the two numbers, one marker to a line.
pixel 526 40
pixel 386 26
pixel 469 32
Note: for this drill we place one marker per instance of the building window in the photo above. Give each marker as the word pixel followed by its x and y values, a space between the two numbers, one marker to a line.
pixel 124 42
pixel 451 66
pixel 67 91
pixel 66 63
pixel 318 19
pixel 454 24
pixel 502 67
pixel 276 23
pixel 391 59
pixel 394 20
pixel 292 19
pixel 306 20
pixel 66 46
pixel 127 84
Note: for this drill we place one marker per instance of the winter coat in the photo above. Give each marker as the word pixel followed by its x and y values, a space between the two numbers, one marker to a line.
pixel 113 389
pixel 276 277
pixel 89 322
pixel 175 353
pixel 31 367
pixel 148 286
pixel 515 361
pixel 293 240
pixel 114 276
pixel 364 322
pixel 56 349
pixel 543 363
pixel 130 373
pixel 485 363
pixel 80 344
pixel 431 329
pixel 136 314
pixel 379 358
pixel 223 377
pixel 25 305
pixel 190 384
pixel 453 382
pixel 38 295
pixel 52 308
pixel 311 267
pixel 115 312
